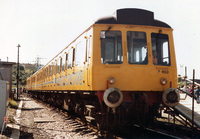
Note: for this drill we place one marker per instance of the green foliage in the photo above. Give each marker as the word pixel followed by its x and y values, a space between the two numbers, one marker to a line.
pixel 13 104
pixel 181 84
pixel 181 81
pixel 24 73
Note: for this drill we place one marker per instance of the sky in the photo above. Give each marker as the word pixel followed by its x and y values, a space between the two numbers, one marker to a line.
pixel 43 28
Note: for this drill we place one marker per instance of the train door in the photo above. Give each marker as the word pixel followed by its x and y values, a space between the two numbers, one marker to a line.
pixel 69 67
pixel 79 63
pixel 58 74
pixel 63 68
pixel 87 60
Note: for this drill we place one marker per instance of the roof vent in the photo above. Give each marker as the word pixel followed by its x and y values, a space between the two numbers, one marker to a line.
pixel 134 17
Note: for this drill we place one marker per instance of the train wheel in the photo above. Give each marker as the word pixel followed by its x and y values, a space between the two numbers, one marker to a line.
pixel 100 121
pixel 111 118
pixel 140 108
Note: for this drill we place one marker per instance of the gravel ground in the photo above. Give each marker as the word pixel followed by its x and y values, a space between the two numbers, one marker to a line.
pixel 61 127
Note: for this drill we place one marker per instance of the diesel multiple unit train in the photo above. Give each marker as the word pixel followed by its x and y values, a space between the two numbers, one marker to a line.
pixel 120 70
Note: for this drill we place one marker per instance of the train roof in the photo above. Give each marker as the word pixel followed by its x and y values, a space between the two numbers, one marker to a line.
pixel 133 16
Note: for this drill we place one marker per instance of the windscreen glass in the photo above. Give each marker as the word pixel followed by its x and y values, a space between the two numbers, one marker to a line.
pixel 160 49
pixel 137 47
pixel 111 47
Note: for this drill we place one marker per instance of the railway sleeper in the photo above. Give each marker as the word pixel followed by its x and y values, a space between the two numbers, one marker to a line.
pixel 90 110
pixel 89 119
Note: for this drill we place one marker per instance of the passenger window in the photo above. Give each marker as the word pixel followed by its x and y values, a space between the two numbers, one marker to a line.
pixel 63 62
pixel 66 61
pixel 38 77
pixel 80 54
pixel 46 72
pixel 58 66
pixel 160 49
pixel 55 64
pixel 73 58
pixel 69 61
pixel 43 74
pixel 137 47
pixel 111 47
pixel 51 70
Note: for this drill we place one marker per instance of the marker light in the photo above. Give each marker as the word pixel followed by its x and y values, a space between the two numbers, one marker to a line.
pixel 111 80
pixel 163 81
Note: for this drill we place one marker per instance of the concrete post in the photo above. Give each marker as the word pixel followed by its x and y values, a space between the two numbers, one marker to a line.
pixel 4 94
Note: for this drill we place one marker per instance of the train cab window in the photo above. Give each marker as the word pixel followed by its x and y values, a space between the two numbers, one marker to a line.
pixel 160 49
pixel 111 47
pixel 137 47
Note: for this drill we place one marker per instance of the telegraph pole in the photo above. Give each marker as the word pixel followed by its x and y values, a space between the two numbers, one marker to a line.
pixel 18 72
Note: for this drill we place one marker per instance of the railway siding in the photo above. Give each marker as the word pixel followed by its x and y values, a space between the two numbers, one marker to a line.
pixel 40 121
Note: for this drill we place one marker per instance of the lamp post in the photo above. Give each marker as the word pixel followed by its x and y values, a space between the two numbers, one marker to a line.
pixel 18 72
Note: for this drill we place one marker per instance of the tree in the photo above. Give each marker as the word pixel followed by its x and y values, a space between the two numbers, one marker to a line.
pixel 24 73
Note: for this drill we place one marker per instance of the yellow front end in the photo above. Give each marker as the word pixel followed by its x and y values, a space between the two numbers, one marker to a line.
pixel 127 75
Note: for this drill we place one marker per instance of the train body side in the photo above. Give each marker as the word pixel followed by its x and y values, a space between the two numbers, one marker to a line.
pixel 53 77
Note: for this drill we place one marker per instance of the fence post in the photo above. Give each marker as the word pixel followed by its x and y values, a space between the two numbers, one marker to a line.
pixel 193 100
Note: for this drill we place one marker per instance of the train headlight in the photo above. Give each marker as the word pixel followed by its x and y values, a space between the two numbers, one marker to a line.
pixel 113 97
pixel 111 80
pixel 163 81
pixel 171 97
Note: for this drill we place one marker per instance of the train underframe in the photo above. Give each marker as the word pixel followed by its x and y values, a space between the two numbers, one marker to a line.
pixel 139 109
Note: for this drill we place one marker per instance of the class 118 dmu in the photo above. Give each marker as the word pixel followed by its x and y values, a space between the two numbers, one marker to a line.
pixel 120 70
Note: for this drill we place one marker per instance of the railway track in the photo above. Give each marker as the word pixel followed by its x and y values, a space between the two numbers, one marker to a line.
pixel 158 130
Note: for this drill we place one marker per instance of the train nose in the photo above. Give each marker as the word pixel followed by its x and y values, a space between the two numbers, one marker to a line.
pixel 171 97
pixel 113 97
